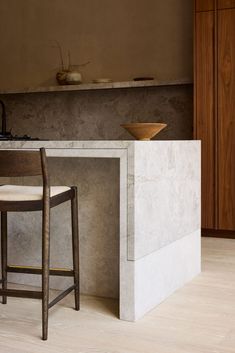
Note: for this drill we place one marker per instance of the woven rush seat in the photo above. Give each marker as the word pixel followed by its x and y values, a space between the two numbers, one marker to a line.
pixel 28 193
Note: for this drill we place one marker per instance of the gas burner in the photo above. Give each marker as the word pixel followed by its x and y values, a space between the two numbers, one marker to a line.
pixel 10 137
pixel 23 138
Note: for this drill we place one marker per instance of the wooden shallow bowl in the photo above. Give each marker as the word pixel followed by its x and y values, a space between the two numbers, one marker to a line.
pixel 144 131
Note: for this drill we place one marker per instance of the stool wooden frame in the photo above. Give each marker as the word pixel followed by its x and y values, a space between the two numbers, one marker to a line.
pixel 33 163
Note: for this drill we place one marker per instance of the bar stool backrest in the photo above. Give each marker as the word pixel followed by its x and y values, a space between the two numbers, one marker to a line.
pixel 15 163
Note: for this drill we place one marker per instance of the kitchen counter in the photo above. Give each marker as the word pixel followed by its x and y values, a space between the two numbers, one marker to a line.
pixel 159 220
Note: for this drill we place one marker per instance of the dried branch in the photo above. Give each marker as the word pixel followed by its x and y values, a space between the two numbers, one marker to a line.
pixel 79 65
pixel 58 46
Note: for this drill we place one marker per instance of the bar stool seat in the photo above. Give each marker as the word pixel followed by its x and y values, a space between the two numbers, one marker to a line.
pixel 28 193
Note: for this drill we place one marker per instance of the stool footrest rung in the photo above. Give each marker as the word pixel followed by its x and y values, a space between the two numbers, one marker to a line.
pixel 61 296
pixel 38 270
pixel 21 293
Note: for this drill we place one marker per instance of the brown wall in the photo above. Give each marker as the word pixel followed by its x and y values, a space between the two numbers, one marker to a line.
pixel 122 39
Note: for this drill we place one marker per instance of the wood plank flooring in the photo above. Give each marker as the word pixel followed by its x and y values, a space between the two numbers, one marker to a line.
pixel 199 318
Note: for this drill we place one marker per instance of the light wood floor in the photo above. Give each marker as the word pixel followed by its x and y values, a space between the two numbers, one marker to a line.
pixel 198 318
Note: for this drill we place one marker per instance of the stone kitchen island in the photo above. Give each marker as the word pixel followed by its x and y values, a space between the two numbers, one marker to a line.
pixel 159 217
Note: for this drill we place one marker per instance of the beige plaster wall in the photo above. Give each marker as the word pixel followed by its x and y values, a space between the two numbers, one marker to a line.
pixel 122 39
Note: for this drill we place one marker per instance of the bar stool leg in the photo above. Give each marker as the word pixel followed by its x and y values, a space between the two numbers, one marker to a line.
pixel 45 269
pixel 4 253
pixel 75 244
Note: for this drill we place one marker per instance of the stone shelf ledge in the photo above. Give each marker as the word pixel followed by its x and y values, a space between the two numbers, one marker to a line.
pixel 97 86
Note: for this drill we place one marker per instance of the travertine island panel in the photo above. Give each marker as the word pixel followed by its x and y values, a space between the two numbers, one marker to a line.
pixel 159 214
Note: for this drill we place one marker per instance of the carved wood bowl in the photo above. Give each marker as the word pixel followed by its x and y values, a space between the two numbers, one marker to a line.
pixel 144 131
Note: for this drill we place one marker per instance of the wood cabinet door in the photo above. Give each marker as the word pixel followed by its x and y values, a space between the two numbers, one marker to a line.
pixel 204 125
pixel 226 118
pixel 226 4
pixel 204 5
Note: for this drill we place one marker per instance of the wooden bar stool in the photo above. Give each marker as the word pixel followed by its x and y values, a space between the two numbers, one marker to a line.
pixel 15 198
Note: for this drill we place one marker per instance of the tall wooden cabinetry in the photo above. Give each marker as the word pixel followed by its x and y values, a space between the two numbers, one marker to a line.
pixel 214 121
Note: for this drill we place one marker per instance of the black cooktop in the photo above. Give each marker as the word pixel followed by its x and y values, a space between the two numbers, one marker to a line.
pixel 10 137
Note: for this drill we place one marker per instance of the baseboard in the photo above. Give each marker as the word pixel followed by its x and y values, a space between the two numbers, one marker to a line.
pixel 162 272
pixel 218 233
